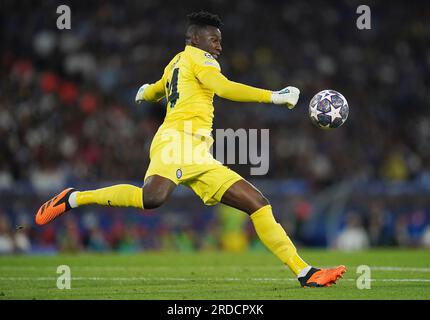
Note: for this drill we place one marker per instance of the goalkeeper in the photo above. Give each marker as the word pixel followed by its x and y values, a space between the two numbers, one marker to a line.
pixel 189 83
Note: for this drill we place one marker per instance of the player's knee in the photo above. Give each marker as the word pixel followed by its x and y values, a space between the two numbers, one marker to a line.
pixel 260 202
pixel 152 201
pixel 257 203
pixel 263 201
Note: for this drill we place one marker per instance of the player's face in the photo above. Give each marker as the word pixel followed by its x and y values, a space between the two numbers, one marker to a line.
pixel 210 41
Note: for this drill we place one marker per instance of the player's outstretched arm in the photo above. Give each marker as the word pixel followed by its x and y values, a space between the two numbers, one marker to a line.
pixel 225 88
pixel 150 92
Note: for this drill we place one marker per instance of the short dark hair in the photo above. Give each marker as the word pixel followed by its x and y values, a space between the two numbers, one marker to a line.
pixel 204 18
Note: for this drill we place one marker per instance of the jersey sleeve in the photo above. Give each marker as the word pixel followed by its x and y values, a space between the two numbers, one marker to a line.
pixel 155 91
pixel 214 80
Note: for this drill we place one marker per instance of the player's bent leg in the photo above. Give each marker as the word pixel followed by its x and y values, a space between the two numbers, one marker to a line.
pixel 122 195
pixel 156 191
pixel 243 196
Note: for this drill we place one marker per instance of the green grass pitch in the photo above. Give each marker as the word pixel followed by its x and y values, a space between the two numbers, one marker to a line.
pixel 395 274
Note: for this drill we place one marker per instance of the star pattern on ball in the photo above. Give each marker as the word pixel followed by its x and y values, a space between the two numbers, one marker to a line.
pixel 334 113
pixel 314 112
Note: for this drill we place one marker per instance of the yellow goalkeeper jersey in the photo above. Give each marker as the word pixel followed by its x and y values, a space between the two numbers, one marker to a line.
pixel 189 83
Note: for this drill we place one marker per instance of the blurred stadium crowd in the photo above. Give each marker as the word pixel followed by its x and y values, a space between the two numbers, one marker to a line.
pixel 67 112
pixel 190 228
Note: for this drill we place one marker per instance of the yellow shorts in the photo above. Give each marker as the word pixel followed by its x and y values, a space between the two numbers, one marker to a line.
pixel 190 163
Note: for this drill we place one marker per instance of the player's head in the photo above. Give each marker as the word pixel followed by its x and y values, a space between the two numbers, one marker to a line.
pixel 203 32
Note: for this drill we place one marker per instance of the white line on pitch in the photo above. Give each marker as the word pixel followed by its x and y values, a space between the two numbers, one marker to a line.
pixel 125 268
pixel 187 279
pixel 400 269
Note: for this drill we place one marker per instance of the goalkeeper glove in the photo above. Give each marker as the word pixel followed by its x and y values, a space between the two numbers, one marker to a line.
pixel 288 96
pixel 139 95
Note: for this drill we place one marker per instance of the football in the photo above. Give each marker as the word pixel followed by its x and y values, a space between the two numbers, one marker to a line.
pixel 328 109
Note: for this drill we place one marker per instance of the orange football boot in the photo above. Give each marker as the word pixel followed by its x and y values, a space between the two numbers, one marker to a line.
pixel 322 277
pixel 54 207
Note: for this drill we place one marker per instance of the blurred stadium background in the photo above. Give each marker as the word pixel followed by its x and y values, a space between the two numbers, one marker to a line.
pixel 68 118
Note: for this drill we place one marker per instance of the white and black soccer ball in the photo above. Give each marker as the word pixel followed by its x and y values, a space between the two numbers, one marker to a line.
pixel 328 109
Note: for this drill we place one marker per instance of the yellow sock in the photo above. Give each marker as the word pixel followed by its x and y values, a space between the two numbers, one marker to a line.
pixel 121 195
pixel 276 240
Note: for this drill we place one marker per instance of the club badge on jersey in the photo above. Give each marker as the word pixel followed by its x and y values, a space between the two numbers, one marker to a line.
pixel 208 55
